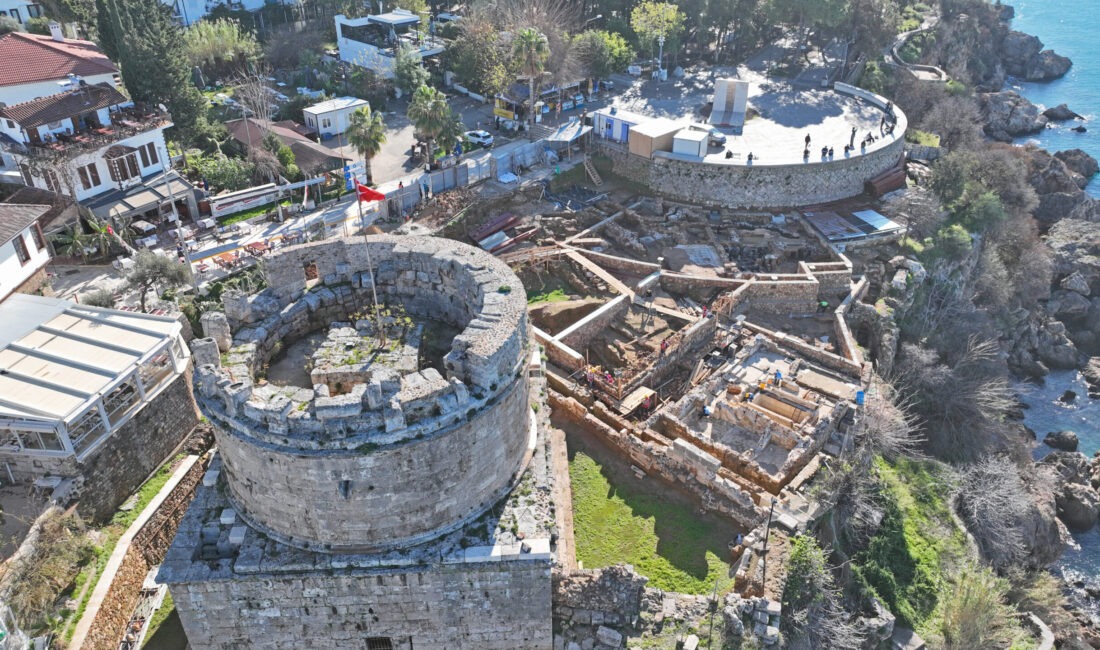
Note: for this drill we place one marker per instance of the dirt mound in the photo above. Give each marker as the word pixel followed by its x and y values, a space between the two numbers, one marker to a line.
pixel 555 317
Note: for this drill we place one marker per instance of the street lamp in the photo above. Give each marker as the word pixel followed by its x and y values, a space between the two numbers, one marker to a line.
pixel 767 534
pixel 592 20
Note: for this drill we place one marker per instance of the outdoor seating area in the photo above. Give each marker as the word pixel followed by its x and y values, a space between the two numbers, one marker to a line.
pixel 126 122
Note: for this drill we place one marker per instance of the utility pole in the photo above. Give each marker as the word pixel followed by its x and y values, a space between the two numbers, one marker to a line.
pixel 176 219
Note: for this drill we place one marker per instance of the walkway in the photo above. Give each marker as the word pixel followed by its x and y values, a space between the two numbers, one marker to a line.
pixel 108 576
pixel 920 71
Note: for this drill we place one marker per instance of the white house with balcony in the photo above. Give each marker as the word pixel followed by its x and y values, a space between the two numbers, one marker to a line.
pixel 92 142
pixel 20 10
pixel 38 66
pixel 372 42
pixel 23 250
pixel 71 376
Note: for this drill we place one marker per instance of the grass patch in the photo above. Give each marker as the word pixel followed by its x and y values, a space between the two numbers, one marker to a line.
pixel 556 295
pixel 575 175
pixel 915 47
pixel 112 531
pixel 664 541
pixel 906 562
pixel 167 608
pixel 925 138
pixel 245 215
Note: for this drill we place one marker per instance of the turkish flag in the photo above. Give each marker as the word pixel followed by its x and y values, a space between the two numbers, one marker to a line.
pixel 367 194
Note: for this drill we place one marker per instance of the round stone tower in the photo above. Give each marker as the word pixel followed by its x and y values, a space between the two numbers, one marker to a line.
pixel 413 419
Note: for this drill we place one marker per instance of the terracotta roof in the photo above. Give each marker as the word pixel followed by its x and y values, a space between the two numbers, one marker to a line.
pixel 15 218
pixel 30 58
pixel 63 105
pixel 307 154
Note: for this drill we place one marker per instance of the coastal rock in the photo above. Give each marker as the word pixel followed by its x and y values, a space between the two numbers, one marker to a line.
pixel 1076 283
pixel 1047 65
pixel 1092 376
pixel 1079 162
pixel 1043 534
pixel 1008 115
pixel 1054 348
pixel 1079 506
pixel 1061 113
pixel 1068 467
pixel 1017 51
pixel 1088 209
pixel 1058 205
pixel 1068 305
pixel 1049 174
pixel 1064 440
pixel 1075 245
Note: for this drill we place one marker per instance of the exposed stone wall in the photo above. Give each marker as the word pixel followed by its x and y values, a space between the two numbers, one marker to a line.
pixel 25 467
pixel 825 358
pixel 798 294
pixel 577 336
pixel 680 464
pixel 756 186
pixel 489 606
pixel 625 264
pixel 133 452
pixel 611 596
pixel 378 498
pixel 146 550
pixel 37 283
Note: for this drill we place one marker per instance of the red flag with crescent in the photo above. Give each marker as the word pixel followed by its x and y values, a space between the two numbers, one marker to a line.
pixel 367 194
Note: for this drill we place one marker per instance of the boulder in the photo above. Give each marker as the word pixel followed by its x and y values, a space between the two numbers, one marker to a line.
pixel 731 616
pixel 1068 467
pixel 1076 283
pixel 1079 162
pixel 1047 65
pixel 1092 376
pixel 1043 534
pixel 1017 50
pixel 1008 115
pixel 1075 245
pixel 1054 348
pixel 1069 305
pixel 608 636
pixel 1086 210
pixel 1056 206
pixel 1064 440
pixel 1061 113
pixel 1079 506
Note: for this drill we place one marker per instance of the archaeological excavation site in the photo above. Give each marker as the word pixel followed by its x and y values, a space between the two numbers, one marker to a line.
pixel 583 440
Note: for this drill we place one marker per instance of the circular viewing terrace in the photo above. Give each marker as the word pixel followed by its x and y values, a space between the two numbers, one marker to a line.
pixel 410 420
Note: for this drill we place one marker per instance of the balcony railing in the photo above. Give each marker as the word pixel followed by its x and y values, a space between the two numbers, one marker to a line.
pixel 125 123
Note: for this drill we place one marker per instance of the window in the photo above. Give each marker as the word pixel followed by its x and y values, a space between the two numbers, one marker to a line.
pixel 21 249
pixel 36 235
pixel 325 123
pixel 15 14
pixel 52 183
pixel 148 154
pixel 89 176
pixel 28 179
pixel 379 643
pixel 11 125
pixel 34 11
pixel 124 168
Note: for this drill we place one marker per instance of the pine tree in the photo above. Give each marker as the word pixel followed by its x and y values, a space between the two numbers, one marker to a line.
pixel 149 48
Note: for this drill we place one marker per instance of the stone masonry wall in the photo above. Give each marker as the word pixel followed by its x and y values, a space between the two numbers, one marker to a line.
pixel 131 454
pixel 577 337
pixel 487 606
pixel 756 186
pixel 379 498
pixel 146 551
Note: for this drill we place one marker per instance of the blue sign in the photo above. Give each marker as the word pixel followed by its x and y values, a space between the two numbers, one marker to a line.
pixel 349 186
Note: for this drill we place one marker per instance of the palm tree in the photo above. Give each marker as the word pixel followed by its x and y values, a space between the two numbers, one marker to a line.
pixel 367 133
pixel 431 115
pixel 532 50
pixel 100 236
pixel 73 242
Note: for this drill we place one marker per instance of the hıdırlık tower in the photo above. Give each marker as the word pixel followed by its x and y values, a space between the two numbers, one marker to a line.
pixel 372 501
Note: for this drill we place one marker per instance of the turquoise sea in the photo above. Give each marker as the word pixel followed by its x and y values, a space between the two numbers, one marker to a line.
pixel 1069 27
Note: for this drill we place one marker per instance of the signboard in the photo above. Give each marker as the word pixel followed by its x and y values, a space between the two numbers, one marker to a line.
pixel 504 113
pixel 243 200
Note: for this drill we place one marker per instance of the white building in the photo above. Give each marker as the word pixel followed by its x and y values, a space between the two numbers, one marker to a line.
pixel 72 375
pixel 38 66
pixel 23 250
pixel 330 117
pixel 372 42
pixel 90 142
pixel 20 10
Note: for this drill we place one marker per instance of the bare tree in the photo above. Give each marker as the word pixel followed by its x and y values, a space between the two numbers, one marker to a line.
pixel 812 613
pixel 992 500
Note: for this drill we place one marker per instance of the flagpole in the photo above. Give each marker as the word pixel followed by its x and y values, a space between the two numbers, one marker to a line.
pixel 370 267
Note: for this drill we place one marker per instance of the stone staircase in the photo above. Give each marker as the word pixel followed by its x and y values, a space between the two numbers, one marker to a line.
pixel 592 173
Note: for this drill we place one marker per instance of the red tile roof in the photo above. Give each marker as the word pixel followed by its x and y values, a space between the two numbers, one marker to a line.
pixel 29 58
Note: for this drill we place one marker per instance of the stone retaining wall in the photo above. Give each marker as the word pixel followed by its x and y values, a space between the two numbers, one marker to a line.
pixel 756 186
pixel 133 452
pixel 495 605
pixel 147 549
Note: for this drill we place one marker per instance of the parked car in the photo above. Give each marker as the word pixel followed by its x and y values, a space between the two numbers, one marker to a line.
pixel 482 138
pixel 716 139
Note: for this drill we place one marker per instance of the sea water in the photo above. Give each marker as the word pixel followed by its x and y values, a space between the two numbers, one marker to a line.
pixel 1070 28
